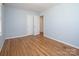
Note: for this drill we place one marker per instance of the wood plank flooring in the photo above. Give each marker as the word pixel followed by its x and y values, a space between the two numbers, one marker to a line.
pixel 36 46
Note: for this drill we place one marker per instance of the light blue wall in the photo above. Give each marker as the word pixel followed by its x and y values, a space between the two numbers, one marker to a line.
pixel 62 23
pixel 2 21
pixel 1 41
pixel 15 21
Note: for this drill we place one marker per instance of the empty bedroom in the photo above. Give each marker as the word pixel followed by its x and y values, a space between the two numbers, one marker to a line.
pixel 39 29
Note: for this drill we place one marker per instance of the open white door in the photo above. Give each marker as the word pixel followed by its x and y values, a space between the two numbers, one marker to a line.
pixel 29 24
pixel 36 26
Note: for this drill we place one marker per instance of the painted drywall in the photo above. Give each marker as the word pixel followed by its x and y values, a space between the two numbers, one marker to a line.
pixel 15 21
pixel 62 23
pixel 2 25
pixel 1 42
pixel 0 21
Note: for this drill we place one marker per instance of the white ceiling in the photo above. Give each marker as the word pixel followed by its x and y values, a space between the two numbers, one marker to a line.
pixel 38 7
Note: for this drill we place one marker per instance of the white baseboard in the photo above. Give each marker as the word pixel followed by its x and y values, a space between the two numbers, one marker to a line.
pixel 15 37
pixel 62 42
pixel 47 37
pixel 18 36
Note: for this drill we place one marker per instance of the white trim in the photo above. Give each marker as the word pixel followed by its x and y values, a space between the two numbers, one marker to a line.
pixel 47 37
pixel 43 24
pixel 16 37
pixel 61 41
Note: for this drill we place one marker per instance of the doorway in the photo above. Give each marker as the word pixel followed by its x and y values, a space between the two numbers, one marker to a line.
pixel 41 25
pixel 35 25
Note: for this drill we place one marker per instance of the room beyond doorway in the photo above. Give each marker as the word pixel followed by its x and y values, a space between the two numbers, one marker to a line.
pixel 41 24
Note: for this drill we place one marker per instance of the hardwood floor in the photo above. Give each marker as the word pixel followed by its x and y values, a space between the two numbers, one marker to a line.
pixel 36 46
